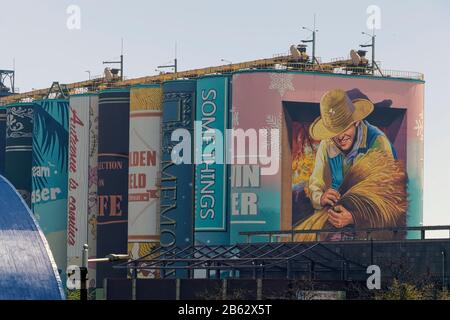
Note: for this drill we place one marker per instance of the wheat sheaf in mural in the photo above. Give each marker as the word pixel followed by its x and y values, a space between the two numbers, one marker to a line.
pixel 357 181
pixel 374 190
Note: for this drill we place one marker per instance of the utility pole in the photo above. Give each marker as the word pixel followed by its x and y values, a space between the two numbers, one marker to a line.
pixel 313 41
pixel 372 45
pixel 84 273
pixel 174 65
pixel 121 61
pixel 13 90
pixel 118 62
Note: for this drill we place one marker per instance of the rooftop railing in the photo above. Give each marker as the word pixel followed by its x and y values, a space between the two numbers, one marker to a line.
pixel 355 71
pixel 417 233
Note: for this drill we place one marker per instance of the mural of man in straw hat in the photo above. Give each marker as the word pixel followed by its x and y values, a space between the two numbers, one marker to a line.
pixel 342 193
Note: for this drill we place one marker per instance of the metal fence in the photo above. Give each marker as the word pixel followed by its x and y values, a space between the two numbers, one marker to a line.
pixel 320 235
pixel 355 71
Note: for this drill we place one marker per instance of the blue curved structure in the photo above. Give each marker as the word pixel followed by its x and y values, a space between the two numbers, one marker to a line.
pixel 27 268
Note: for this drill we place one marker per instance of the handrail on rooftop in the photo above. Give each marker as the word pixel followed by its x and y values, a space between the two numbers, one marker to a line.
pixel 368 231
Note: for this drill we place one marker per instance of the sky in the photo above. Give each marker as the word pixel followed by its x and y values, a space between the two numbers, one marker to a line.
pixel 413 36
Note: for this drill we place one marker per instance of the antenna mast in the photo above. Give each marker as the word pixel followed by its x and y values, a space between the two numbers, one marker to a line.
pixel 175 62
pixel 118 62
pixel 313 41
pixel 372 45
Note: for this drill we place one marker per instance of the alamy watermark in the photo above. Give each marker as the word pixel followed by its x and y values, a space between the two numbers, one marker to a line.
pixel 237 147
pixel 73 281
pixel 374 17
pixel 374 280
pixel 73 21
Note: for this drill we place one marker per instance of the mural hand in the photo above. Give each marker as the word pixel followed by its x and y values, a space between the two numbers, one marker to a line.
pixel 340 217
pixel 330 198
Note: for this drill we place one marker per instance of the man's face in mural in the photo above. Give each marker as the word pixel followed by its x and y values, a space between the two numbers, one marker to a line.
pixel 345 140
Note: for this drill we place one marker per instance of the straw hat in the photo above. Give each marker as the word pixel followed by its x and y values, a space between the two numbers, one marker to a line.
pixel 338 113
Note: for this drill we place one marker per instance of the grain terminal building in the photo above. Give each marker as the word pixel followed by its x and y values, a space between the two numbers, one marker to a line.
pixel 212 222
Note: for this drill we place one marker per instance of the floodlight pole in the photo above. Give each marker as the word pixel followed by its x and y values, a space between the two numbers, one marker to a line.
pixel 84 274
pixel 374 63
pixel 313 41
pixel 84 268
pixel 13 79
pixel 227 61
pixel 118 62
pixel 314 46
pixel 174 65
pixel 111 258
pixel 444 284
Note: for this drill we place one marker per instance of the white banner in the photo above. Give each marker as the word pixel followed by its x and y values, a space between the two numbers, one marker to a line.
pixel 144 164
pixel 144 174
pixel 82 188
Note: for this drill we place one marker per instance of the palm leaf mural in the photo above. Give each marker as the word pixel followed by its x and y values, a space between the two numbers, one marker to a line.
pixel 50 137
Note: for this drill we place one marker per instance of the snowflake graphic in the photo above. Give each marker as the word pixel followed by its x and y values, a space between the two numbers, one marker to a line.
pixel 273 121
pixel 281 82
pixel 419 127
pixel 235 119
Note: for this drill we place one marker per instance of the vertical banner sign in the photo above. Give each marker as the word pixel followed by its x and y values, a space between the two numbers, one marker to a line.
pixel 177 180
pixel 93 188
pixel 144 172
pixel 112 218
pixel 211 223
pixel 49 174
pixel 82 186
pixel 19 133
pixel 2 139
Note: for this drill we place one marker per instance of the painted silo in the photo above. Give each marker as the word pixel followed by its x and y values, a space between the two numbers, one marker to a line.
pixel 18 154
pixel 144 171
pixel 49 174
pixel 82 187
pixel 211 169
pixel 113 148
